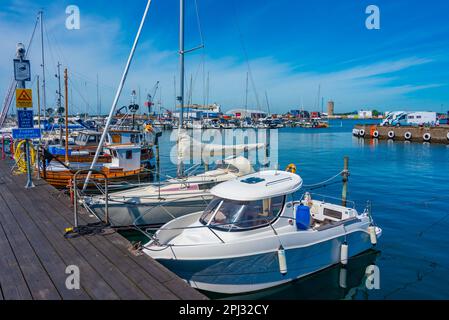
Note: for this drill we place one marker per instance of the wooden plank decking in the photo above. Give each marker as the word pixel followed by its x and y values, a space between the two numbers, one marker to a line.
pixel 34 253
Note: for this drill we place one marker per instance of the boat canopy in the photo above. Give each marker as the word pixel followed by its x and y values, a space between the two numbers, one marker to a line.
pixel 258 186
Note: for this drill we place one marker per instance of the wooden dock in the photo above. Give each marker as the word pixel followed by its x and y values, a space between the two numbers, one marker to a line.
pixel 34 253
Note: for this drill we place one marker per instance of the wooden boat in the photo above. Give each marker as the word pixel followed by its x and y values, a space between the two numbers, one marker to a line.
pixel 86 143
pixel 125 167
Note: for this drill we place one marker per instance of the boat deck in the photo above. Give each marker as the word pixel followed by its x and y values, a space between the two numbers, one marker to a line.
pixel 34 253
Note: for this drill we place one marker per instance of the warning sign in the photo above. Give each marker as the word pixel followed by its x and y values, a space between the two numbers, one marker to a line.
pixel 24 98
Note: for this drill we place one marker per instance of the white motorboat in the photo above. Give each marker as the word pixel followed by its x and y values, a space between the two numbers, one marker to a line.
pixel 253 236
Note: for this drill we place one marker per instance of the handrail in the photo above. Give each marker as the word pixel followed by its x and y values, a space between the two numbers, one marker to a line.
pixel 75 193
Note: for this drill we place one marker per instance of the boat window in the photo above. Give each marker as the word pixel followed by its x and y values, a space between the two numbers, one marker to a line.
pixel 92 139
pixel 210 209
pixel 240 215
pixel 129 154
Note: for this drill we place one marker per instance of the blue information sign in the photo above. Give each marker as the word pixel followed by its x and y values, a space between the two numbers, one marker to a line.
pixel 26 133
pixel 25 119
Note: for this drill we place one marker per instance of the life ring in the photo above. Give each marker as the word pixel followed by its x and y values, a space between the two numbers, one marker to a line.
pixel 376 134
pixel 148 128
pixel 426 136
pixel 291 168
pixel 362 132
pixel 390 134
pixel 408 135
pixel 19 156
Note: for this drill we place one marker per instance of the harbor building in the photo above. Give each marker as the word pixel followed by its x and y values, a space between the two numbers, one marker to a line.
pixel 330 108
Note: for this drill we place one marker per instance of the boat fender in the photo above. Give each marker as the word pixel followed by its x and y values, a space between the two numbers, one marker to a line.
pixel 408 135
pixel 344 253
pixel 447 135
pixel 282 260
pixel 343 277
pixel 426 136
pixel 376 134
pixel 372 235
pixel 391 134
pixel 362 132
pixel 355 132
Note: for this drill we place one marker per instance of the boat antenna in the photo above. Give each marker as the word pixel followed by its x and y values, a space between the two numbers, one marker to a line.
pixel 117 94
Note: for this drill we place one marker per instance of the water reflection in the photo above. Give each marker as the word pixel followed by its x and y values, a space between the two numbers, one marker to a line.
pixel 333 283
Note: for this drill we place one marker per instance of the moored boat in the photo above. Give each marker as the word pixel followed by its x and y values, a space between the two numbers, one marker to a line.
pixel 253 235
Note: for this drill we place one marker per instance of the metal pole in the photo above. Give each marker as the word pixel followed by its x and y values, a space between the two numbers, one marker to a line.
pixel 44 98
pixel 21 85
pixel 345 175
pixel 66 96
pixel 181 84
pixel 117 95
pixel 39 126
pixel 75 202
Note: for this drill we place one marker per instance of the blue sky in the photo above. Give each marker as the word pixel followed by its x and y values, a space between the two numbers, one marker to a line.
pixel 291 48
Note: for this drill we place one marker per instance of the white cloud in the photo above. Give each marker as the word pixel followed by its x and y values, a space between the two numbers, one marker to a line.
pixel 102 47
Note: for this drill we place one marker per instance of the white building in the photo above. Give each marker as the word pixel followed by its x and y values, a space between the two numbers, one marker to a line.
pixel 365 114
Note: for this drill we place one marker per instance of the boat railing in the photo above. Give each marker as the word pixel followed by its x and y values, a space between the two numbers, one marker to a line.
pixel 203 196
pixel 323 198
pixel 230 226
pixel 102 190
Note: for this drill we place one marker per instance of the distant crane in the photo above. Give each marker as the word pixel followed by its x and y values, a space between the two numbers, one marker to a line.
pixel 150 97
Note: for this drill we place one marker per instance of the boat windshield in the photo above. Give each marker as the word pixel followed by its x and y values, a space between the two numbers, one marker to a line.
pixel 233 215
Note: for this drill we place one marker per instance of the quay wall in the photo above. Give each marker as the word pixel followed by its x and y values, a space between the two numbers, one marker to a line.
pixel 418 134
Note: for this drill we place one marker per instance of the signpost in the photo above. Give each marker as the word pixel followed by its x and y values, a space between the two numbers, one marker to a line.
pixel 21 134
pixel 25 119
pixel 24 99
pixel 22 70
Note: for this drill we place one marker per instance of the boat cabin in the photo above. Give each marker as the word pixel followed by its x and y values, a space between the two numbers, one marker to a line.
pixel 251 201
pixel 88 138
pixel 124 157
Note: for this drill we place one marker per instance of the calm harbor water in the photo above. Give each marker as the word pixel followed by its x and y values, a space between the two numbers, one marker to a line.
pixel 407 184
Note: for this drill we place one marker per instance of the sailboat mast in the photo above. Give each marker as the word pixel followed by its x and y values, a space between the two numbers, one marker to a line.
pixel 59 103
pixel 44 96
pixel 117 96
pixel 246 95
pixel 181 82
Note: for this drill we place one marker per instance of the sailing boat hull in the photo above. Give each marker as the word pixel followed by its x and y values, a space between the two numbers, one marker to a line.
pixel 154 212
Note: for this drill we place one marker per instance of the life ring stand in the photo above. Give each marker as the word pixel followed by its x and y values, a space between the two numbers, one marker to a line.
pixel 291 168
